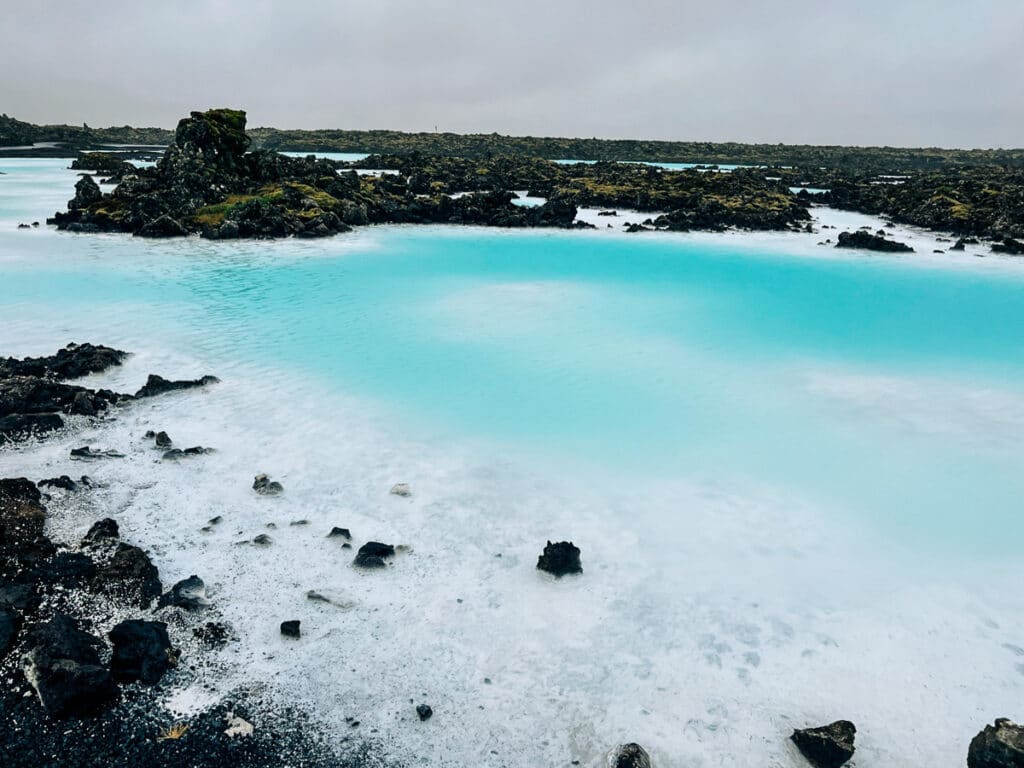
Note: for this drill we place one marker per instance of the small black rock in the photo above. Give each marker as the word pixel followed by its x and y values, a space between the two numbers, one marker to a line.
pixel 291 628
pixel 372 555
pixel 424 711
pixel 560 558
pixel 342 532
pixel 828 746
pixel 163 440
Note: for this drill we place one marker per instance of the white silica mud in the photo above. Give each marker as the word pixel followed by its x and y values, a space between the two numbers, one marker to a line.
pixel 793 472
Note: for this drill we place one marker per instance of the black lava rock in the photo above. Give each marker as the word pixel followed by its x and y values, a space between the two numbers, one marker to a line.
pixel 630 756
pixel 63 665
pixel 424 711
pixel 870 242
pixel 131 573
pixel 291 628
pixel 158 385
pixel 101 532
pixel 142 651
pixel 189 594
pixel 560 559
pixel 337 532
pixel 1000 745
pixel 828 746
pixel 162 440
pixel 1009 246
pixel 373 554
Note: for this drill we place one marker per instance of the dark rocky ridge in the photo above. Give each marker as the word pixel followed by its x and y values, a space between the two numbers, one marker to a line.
pixel 207 183
pixel 34 397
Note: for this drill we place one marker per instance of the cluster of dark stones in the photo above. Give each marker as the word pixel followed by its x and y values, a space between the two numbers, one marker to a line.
pixel 57 654
pixel 35 396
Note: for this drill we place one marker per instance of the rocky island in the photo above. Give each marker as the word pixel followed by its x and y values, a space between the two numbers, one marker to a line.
pixel 208 183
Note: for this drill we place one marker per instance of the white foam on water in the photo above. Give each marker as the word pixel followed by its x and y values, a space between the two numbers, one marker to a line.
pixel 711 618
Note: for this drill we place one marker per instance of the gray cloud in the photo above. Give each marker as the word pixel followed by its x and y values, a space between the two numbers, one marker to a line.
pixel 904 72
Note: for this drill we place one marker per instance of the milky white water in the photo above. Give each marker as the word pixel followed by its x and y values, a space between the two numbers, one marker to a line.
pixel 794 474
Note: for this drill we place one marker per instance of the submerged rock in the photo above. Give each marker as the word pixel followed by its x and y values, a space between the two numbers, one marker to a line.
pixel 158 385
pixel 62 664
pixel 401 489
pixel 142 651
pixel 827 746
pixel 291 628
pixel 630 755
pixel 342 533
pixel 373 554
pixel 560 559
pixel 262 484
pixel 189 594
pixel 88 452
pixel 1000 745
pixel 178 453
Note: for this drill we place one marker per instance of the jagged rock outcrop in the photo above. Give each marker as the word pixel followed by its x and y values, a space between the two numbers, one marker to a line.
pixel 1000 745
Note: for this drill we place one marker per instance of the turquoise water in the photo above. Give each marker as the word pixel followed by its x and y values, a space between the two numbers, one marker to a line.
pixel 887 389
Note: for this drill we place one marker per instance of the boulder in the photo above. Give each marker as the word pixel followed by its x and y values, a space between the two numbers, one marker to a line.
pixel 1009 246
pixel 869 242
pixel 130 573
pixel 425 712
pixel 560 559
pixel 827 746
pixel 162 440
pixel 102 532
pixel 291 628
pixel 629 756
pixel 263 485
pixel 62 664
pixel 158 385
pixel 373 554
pixel 19 426
pixel 142 651
pixel 1000 745
pixel 342 533
pixel 189 594
pixel 72 362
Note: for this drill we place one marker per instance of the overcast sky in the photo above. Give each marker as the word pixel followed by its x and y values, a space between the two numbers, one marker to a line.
pixel 899 72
